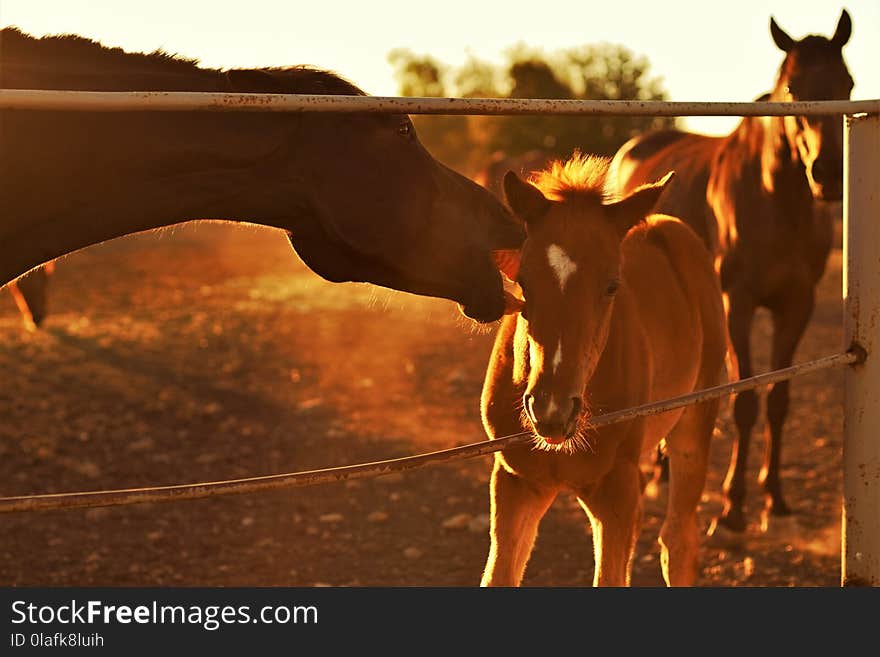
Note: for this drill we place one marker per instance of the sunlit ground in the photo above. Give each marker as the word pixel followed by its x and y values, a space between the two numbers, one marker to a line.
pixel 210 352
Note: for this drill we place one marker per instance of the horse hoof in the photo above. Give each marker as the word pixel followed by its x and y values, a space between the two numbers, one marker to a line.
pixel 782 527
pixel 721 536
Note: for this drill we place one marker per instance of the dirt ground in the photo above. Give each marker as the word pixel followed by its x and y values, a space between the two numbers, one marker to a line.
pixel 209 352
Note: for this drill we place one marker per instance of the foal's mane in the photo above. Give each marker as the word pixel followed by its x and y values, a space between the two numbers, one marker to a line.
pixel 579 177
pixel 71 52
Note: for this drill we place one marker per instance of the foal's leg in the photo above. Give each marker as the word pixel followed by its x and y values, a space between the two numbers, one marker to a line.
pixel 615 511
pixel 688 451
pixel 789 323
pixel 517 507
pixel 745 410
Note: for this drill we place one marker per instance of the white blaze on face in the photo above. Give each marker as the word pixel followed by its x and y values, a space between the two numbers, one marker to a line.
pixel 563 266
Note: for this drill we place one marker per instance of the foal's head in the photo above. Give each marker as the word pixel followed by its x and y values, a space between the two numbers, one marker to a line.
pixel 814 69
pixel 570 271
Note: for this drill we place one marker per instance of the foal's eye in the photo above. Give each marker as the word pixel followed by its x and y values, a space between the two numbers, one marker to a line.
pixel 612 288
pixel 405 128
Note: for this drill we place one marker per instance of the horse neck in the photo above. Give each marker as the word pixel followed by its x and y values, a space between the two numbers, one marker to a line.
pixel 762 141
pixel 26 75
pixel 69 180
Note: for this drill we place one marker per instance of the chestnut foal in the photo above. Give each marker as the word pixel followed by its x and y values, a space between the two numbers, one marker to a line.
pixel 619 309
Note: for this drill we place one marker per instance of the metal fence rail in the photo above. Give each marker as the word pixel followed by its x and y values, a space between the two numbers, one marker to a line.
pixel 363 470
pixel 174 101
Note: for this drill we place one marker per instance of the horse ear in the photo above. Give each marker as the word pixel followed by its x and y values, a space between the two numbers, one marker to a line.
pixel 843 31
pixel 526 200
pixel 780 38
pixel 253 81
pixel 632 209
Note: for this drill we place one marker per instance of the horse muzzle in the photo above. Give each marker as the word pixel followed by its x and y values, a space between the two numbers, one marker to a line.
pixel 553 421
pixel 484 303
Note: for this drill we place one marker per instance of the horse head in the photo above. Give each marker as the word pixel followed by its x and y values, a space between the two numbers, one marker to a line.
pixel 380 209
pixel 814 69
pixel 569 270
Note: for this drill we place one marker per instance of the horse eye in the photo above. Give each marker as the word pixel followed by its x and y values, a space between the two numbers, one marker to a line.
pixel 405 129
pixel 612 288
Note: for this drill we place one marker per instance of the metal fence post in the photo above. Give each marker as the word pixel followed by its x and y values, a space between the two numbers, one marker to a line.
pixel 860 558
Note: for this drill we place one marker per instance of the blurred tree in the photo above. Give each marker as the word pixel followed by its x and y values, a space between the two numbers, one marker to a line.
pixel 599 72
pixel 417 75
pixel 447 137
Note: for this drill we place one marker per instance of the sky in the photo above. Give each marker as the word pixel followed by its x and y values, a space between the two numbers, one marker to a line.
pixel 702 50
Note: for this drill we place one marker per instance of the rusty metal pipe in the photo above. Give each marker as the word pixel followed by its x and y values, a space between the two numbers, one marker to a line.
pixel 174 101
pixel 379 468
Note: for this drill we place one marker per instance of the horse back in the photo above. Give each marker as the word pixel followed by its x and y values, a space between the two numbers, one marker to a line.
pixel 647 158
pixel 671 274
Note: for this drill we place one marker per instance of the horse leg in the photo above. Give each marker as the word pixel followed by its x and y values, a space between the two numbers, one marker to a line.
pixel 660 474
pixel 517 507
pixel 615 511
pixel 789 323
pixel 661 465
pixel 745 412
pixel 688 452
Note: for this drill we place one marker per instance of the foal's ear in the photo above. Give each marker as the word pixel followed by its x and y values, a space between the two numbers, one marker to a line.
pixel 526 200
pixel 632 209
pixel 780 38
pixel 843 31
pixel 253 81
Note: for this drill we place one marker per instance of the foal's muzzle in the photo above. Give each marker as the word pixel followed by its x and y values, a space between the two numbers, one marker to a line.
pixel 553 421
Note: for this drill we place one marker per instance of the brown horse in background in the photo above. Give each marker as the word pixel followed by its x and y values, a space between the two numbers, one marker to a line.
pixel 618 311
pixel 750 196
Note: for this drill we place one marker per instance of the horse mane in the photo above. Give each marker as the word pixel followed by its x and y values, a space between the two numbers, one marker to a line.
pixel 309 80
pixel 71 53
pixel 581 176
pixel 18 47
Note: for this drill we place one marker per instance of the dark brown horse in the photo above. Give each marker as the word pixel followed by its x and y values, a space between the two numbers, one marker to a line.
pixel 750 196
pixel 619 311
pixel 360 197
